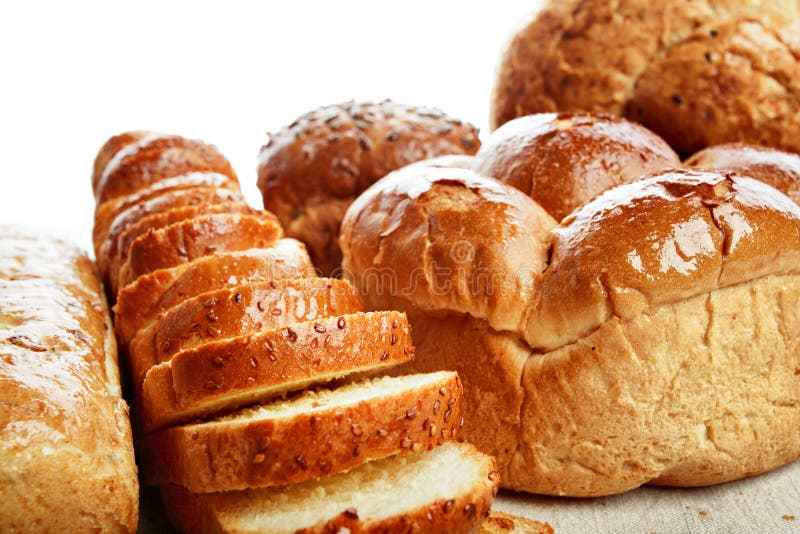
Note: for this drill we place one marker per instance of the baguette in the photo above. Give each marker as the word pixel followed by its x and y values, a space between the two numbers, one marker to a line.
pixel 139 303
pixel 155 157
pixel 317 434
pixel 240 310
pixel 228 374
pixel 188 240
pixel 66 453
pixel 446 490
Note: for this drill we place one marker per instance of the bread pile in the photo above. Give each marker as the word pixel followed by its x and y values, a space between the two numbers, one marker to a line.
pixel 698 73
pixel 66 453
pixel 229 336
pixel 649 337
pixel 310 171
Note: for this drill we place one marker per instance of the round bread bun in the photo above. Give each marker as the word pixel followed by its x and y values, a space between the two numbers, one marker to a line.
pixel 697 73
pixel 563 160
pixel 310 171
pixel 779 169
pixel 656 341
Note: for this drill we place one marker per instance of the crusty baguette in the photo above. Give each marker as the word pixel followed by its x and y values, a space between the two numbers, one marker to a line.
pixel 317 434
pixel 243 370
pixel 155 157
pixel 447 490
pixel 236 311
pixel 66 453
pixel 502 523
pixel 140 302
pixel 201 236
pixel 129 223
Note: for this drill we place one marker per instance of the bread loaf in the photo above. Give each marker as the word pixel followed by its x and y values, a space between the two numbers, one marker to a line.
pixel 448 489
pixel 697 73
pixel 66 454
pixel 650 340
pixel 311 171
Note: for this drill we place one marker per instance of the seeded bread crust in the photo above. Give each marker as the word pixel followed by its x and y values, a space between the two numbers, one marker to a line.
pixel 502 523
pixel 139 303
pixel 155 157
pixel 132 222
pixel 185 241
pixel 228 374
pixel 244 451
pixel 236 311
pixel 463 513
pixel 310 171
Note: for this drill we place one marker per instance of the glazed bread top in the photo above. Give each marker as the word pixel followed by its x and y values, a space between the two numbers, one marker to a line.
pixel 779 169
pixel 137 160
pixel 62 417
pixel 698 73
pixel 472 245
pixel 447 238
pixel 563 160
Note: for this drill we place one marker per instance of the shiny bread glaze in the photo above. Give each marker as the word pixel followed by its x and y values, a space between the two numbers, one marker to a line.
pixel 60 398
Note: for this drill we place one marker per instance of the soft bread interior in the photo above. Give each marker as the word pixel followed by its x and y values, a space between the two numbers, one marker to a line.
pixel 376 490
pixel 317 401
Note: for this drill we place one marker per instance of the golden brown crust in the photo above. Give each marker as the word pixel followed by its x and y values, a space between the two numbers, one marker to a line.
pixel 235 311
pixel 188 240
pixel 252 452
pixel 675 235
pixel 401 237
pixel 779 169
pixel 564 160
pixel 231 373
pixel 500 523
pixel 310 171
pixel 110 149
pixel 155 157
pixel 140 302
pixel 66 453
pixel 697 73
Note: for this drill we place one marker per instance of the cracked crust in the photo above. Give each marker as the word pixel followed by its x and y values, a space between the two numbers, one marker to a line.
pixel 564 160
pixel 310 171
pixel 632 273
pixel 694 72
pixel 779 169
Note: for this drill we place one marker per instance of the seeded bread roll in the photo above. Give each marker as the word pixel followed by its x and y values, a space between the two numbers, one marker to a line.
pixel 660 323
pixel 66 453
pixel 563 160
pixel 779 169
pixel 697 73
pixel 310 171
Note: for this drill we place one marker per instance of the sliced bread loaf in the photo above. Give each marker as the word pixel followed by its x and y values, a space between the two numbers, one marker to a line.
pixel 446 490
pixel 227 374
pixel 236 311
pixel 316 434
pixel 188 240
pixel 139 303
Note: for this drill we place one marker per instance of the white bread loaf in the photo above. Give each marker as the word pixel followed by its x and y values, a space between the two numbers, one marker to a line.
pixel 446 490
pixel 659 323
pixel 66 453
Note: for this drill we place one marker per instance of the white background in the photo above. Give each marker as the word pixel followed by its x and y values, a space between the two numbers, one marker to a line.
pixel 73 74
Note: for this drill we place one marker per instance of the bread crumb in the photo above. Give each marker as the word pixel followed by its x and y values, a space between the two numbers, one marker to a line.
pixel 788 517
pixel 703 513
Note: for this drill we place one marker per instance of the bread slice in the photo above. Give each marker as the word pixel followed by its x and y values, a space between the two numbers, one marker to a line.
pixel 106 213
pixel 502 523
pixel 237 311
pixel 319 433
pixel 188 240
pixel 154 158
pixel 139 303
pixel 243 370
pixel 446 490
pixel 109 242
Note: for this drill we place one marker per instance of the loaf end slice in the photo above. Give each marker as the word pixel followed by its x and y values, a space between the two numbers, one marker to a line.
pixel 446 490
